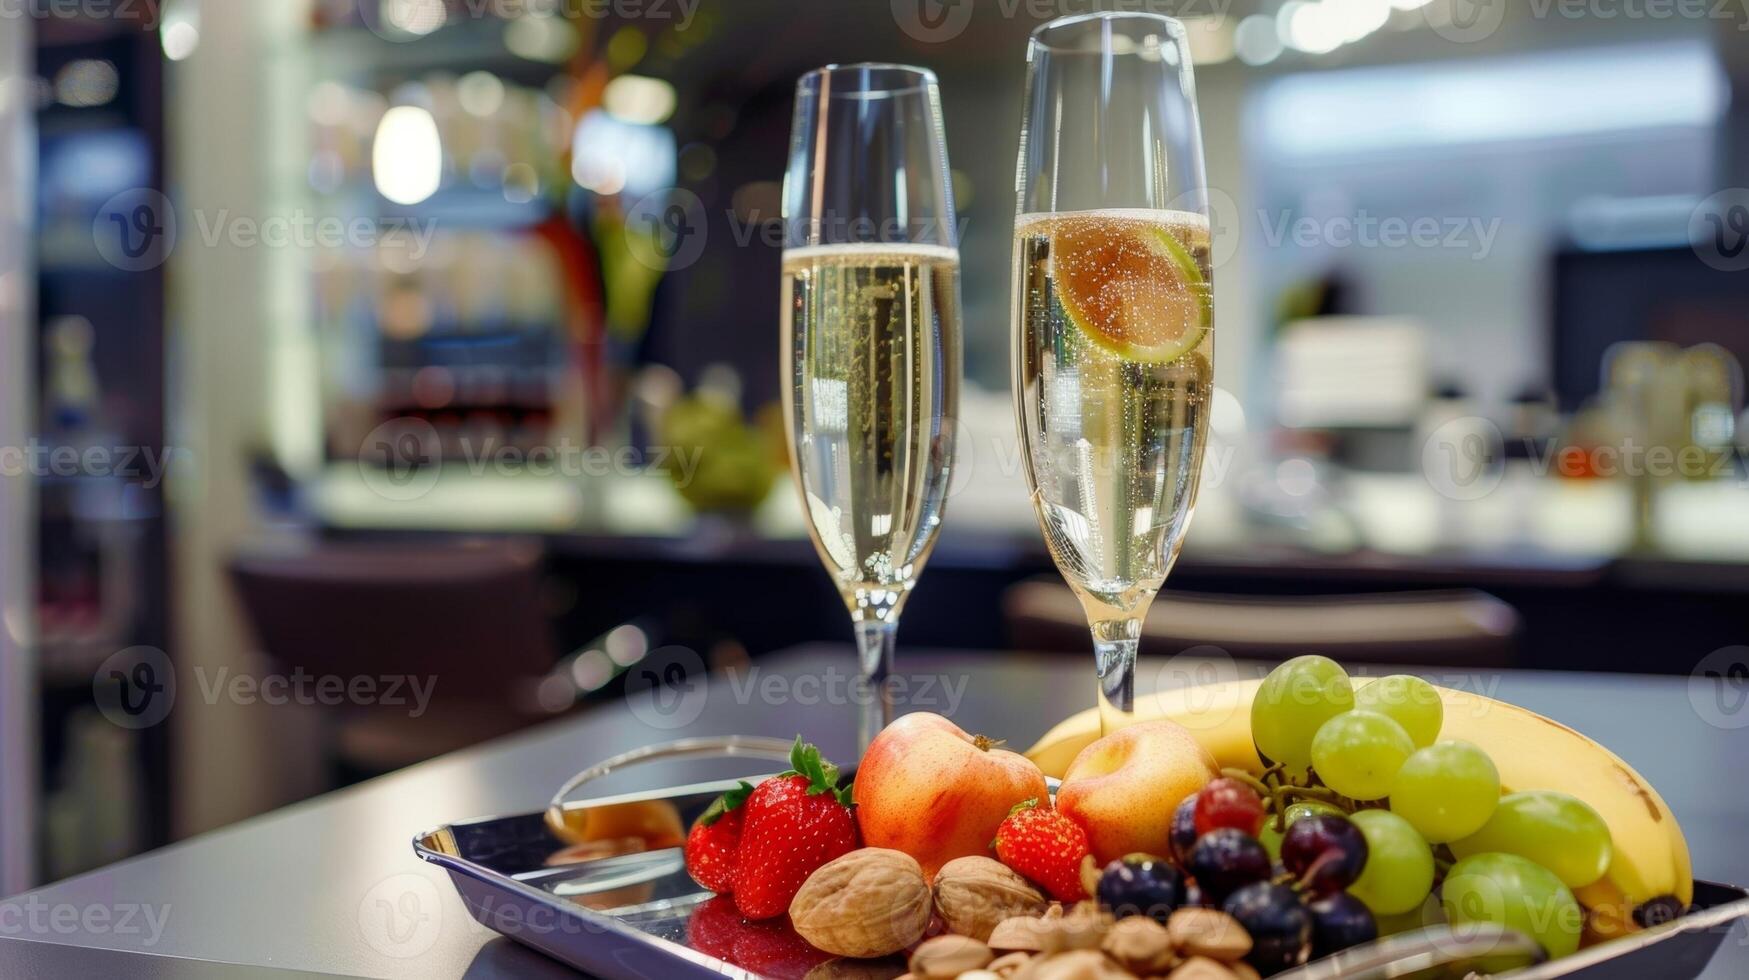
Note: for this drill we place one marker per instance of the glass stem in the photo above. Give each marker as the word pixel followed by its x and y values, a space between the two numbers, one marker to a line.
pixel 1114 655
pixel 874 648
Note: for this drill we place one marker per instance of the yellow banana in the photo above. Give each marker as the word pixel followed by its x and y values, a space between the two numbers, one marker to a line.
pixel 1650 862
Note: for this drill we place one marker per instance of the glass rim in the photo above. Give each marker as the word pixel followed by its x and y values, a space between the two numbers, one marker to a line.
pixel 919 79
pixel 1173 27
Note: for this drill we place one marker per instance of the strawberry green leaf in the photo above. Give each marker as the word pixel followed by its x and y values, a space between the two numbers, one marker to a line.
pixel 805 760
pixel 1023 805
pixel 726 802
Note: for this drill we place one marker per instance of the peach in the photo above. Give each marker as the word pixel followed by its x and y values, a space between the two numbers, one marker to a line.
pixel 1123 788
pixel 927 788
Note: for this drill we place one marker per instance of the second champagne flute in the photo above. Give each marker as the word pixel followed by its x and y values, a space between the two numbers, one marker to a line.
pixel 1113 322
pixel 871 340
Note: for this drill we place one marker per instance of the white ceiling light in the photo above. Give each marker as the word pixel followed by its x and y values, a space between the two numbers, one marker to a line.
pixel 407 160
pixel 1255 40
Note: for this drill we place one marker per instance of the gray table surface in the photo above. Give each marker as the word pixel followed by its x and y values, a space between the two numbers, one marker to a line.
pixel 330 886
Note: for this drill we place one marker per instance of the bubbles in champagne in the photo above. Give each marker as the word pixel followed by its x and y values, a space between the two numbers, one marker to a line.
pixel 872 333
pixel 1114 333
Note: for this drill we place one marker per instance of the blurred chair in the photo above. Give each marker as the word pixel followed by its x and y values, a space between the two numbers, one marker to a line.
pixel 1459 628
pixel 466 620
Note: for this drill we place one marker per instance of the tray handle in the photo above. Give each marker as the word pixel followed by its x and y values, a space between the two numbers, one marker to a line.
pixel 1412 952
pixel 716 746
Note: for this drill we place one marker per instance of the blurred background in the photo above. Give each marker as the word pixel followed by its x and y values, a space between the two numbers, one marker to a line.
pixel 381 376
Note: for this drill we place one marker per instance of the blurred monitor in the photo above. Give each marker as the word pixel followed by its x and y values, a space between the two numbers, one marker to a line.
pixel 1664 294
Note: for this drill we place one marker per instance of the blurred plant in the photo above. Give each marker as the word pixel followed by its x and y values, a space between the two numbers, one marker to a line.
pixel 736 462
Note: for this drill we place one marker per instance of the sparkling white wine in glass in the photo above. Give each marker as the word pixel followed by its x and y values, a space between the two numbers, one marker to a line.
pixel 871 342
pixel 1113 316
pixel 872 333
pixel 1114 377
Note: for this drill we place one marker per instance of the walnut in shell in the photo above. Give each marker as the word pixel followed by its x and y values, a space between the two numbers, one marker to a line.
pixel 870 902
pixel 973 894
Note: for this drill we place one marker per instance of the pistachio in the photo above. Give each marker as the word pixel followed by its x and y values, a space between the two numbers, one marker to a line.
pixel 1021 932
pixel 1080 964
pixel 1140 944
pixel 946 957
pixel 1207 932
pixel 1201 968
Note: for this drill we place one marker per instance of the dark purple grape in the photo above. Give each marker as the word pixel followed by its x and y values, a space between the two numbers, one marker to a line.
pixel 1193 897
pixel 1181 839
pixel 1141 884
pixel 1326 852
pixel 1280 926
pixel 1226 860
pixel 1340 921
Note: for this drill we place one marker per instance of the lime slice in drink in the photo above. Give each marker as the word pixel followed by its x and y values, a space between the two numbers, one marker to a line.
pixel 1133 289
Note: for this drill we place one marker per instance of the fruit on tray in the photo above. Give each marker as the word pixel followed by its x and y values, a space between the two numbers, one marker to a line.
pixel 1357 753
pixel 930 789
pixel 1292 705
pixel 791 825
pixel 1447 791
pixel 714 840
pixel 1144 885
pixel 1515 892
pixel 1399 867
pixel 1561 830
pixel 1046 846
pixel 1124 788
pixel 1278 922
pixel 1324 852
pixel 1409 701
pixel 1647 875
pixel 1217 715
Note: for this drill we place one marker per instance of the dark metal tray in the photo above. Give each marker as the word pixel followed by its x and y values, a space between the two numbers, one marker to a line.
pixel 639 916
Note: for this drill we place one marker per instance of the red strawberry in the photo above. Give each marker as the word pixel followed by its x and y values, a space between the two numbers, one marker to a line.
pixel 1045 845
pixel 795 822
pixel 713 840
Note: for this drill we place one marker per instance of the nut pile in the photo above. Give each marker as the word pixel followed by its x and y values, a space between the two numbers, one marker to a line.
pixel 1085 943
pixel 875 902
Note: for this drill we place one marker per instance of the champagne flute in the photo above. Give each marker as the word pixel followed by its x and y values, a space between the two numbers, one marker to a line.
pixel 1113 317
pixel 871 340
